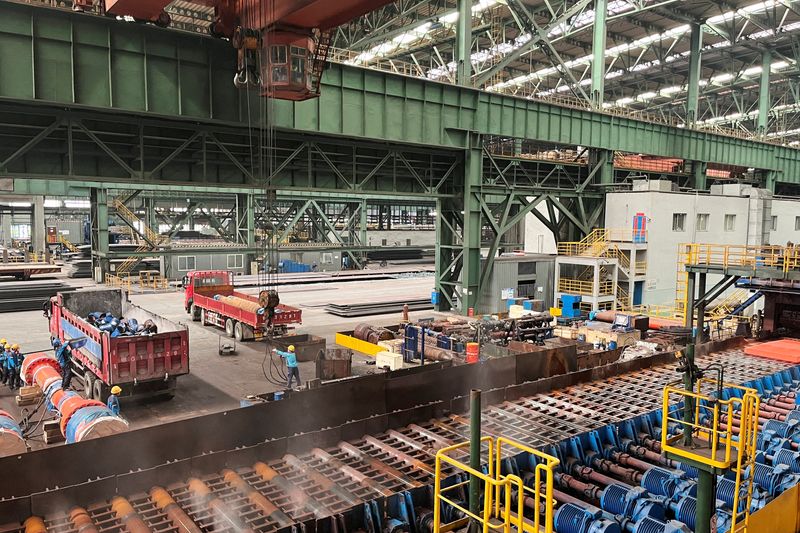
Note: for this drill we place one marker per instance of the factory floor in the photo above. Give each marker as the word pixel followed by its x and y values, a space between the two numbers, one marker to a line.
pixel 219 383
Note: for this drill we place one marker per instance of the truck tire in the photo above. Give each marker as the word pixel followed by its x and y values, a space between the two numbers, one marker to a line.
pixel 229 326
pixel 88 384
pixel 238 332
pixel 195 312
pixel 100 391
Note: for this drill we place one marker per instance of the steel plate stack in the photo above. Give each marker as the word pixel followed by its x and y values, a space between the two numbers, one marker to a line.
pixel 29 295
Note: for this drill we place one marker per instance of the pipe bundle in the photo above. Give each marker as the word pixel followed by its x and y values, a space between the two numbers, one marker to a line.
pixel 242 303
pixel 81 419
pixel 121 327
pixel 11 441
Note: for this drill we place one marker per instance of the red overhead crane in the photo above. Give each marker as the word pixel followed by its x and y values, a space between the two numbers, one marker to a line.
pixel 291 36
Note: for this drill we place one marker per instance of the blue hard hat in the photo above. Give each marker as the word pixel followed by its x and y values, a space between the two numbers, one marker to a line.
pixel 56 342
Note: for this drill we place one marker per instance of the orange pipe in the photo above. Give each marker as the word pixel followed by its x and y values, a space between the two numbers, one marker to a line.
pixel 128 516
pixel 81 521
pixel 179 518
pixel 35 524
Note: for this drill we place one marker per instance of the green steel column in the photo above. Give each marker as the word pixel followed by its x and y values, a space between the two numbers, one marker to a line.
pixel 464 43
pixel 693 90
pixel 701 307
pixel 763 93
pixel 471 269
pixel 98 199
pixel 599 53
pixel 38 224
pixel 603 160
pixel 246 215
pixel 150 213
pixel 475 450
pixel 699 170
pixel 705 501
pixel 772 178
pixel 444 254
pixel 362 223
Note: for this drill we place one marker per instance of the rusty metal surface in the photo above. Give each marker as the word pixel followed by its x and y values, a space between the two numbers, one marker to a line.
pixel 318 478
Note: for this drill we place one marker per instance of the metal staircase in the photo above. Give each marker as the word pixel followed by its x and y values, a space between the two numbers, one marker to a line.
pixel 67 244
pixel 149 239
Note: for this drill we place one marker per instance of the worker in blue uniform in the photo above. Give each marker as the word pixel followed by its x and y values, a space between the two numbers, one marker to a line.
pixel 64 358
pixel 11 368
pixel 17 377
pixel 3 343
pixel 291 364
pixel 113 400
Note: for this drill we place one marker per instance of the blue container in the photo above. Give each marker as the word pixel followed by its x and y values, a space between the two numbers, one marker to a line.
pixel 612 345
pixel 527 305
pixel 435 297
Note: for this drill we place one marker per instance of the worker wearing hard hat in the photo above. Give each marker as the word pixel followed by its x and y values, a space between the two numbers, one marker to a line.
pixel 11 368
pixel 291 365
pixel 3 358
pixel 16 379
pixel 113 400
pixel 64 358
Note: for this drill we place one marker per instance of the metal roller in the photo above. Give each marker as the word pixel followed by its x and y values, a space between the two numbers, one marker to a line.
pixel 180 520
pixel 244 305
pixel 11 441
pixel 373 334
pixel 81 521
pixel 128 516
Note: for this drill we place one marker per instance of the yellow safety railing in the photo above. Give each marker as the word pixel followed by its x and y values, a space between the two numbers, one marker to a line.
pixel 583 287
pixel 123 283
pixel 750 257
pixel 498 513
pixel 640 268
pixel 67 244
pixel 149 279
pixel 713 424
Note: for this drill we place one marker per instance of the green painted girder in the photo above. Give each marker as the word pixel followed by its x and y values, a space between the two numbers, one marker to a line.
pixel 258 250
pixel 74 59
pixel 81 188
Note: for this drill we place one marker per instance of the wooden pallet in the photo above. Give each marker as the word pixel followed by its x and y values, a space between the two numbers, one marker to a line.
pixel 52 432
pixel 29 396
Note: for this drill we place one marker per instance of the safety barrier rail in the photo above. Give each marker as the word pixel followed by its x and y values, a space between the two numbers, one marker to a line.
pixel 751 257
pixel 152 279
pixel 119 282
pixel 640 268
pixel 578 286
pixel 499 489
pixel 727 428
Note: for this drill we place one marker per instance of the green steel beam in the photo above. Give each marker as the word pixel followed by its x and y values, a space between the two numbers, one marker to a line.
pixel 140 72
pixel 599 53
pixel 695 59
pixel 471 269
pixel 763 94
pixel 464 43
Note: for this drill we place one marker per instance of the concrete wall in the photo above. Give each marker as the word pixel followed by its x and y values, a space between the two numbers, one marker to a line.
pixel 659 207
pixel 787 213
pixel 538 239
pixel 399 237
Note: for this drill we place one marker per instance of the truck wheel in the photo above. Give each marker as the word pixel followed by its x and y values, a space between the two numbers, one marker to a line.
pixel 99 391
pixel 88 384
pixel 229 327
pixel 195 312
pixel 238 332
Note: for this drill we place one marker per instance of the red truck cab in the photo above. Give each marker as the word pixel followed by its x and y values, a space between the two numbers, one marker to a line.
pixel 210 298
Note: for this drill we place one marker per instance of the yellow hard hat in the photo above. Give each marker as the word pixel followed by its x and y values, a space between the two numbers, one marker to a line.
pixel 116 389
pixel 15 346
pixel 7 346
pixel 3 341
pixel 291 347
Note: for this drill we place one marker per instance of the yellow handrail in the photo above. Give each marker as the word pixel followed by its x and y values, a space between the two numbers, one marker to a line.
pixel 583 287
pixel 498 490
pixel 712 422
